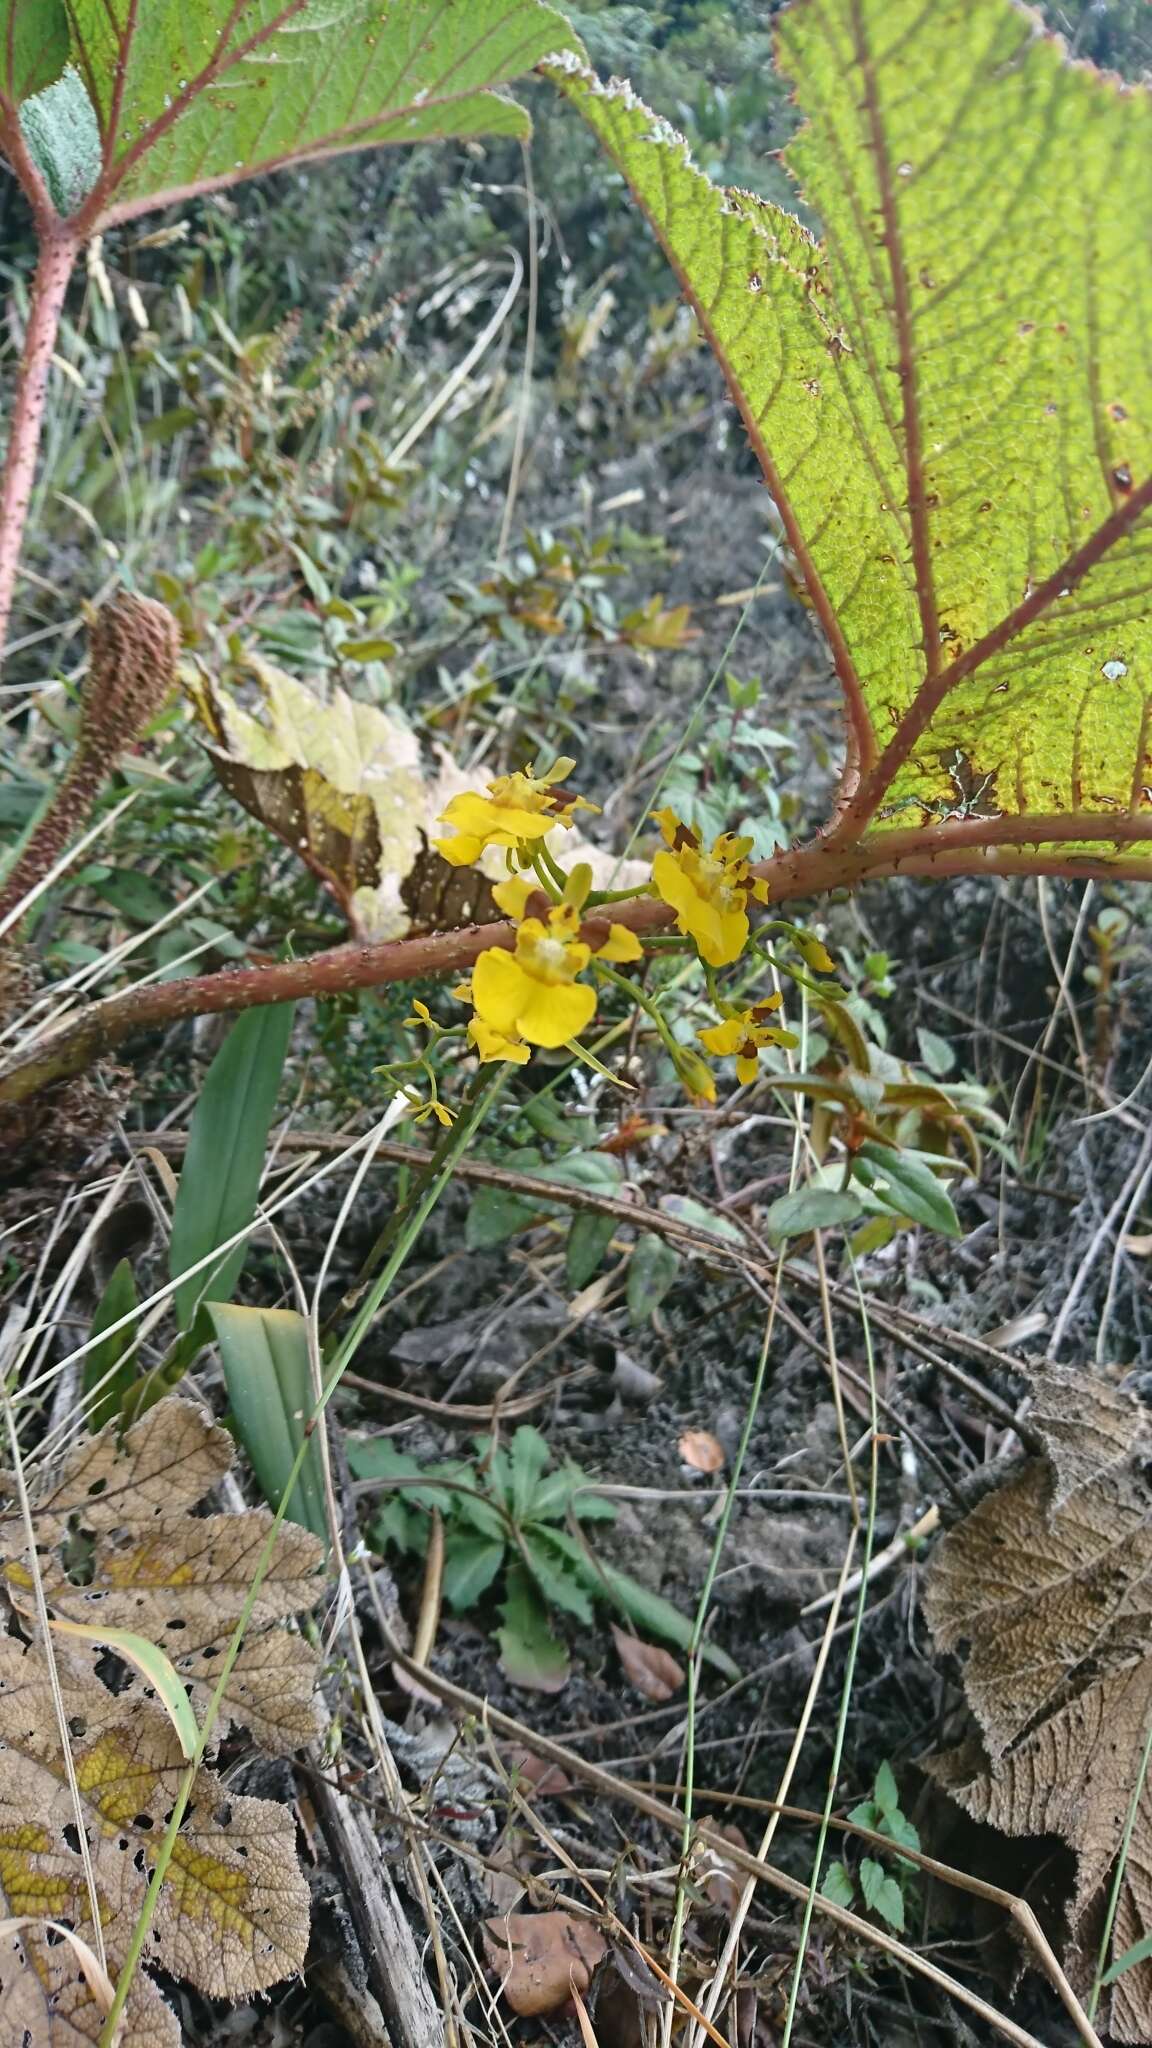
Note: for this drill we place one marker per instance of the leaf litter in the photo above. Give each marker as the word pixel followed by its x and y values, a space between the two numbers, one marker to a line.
pixel 1045 1591
pixel 121 1548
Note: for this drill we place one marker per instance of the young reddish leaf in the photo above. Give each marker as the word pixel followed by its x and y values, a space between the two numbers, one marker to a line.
pixel 653 1672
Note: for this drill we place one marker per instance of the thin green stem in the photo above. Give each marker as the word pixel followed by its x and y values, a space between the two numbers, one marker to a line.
pixel 1118 1879
pixel 849 1672
pixel 460 1138
pixel 645 1002
pixel 700 1619
pixel 552 878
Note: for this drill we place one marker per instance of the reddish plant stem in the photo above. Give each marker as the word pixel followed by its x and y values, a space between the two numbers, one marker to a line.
pixel 58 250
pixel 967 847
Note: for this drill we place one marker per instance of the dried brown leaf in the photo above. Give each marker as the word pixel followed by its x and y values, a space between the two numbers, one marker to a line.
pixel 232 1916
pixel 539 1957
pixel 167 1461
pixel 1046 1588
pixel 654 1672
pixel 700 1449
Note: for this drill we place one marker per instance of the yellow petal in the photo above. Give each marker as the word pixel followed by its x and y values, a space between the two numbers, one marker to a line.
pixel 496 1045
pixel 551 1016
pixel 621 944
pixel 733 937
pixel 747 1069
pixel 461 851
pixel 669 824
pixel 725 1037
pixel 512 896
pixel 499 989
pixel 695 916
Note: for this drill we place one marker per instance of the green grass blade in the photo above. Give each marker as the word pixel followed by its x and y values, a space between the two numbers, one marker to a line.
pixel 225 1156
pixel 264 1353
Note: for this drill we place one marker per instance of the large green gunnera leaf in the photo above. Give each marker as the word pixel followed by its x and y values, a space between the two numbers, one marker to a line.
pixel 33 47
pixel 951 398
pixel 192 95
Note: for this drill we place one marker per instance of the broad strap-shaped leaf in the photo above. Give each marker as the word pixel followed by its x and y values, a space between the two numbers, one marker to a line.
pixel 951 398
pixel 193 95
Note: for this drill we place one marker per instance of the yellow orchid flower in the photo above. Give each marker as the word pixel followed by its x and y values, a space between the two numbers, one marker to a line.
pixel 533 995
pixel 709 892
pixel 518 807
pixel 436 1108
pixel 745 1033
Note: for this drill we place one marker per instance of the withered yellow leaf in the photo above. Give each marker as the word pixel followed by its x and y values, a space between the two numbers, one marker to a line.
pixel 342 783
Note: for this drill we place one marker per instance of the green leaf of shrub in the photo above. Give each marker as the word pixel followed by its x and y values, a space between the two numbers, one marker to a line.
pixel 651 1611
pixel 652 1269
pixel 952 405
pixel 885 1790
pixel 264 1353
pixel 193 95
pixel 117 1300
pixel 810 1208
pixel 493 1217
pixel 881 1893
pixel 837 1885
pixel 227 1138
pixel 686 1210
pixel 588 1240
pixel 529 1653
pixel 33 45
pixel 528 1456
pixel 906 1185
pixel 471 1562
pixel 556 1585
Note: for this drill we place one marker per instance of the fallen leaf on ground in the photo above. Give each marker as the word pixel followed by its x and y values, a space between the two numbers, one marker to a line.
pixel 724 1883
pixel 546 1779
pixel 539 1957
pixel 652 1671
pixel 700 1450
pixel 232 1918
pixel 1044 1590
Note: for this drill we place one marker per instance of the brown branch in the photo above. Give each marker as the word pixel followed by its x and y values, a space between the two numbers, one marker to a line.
pixel 967 847
pixel 905 355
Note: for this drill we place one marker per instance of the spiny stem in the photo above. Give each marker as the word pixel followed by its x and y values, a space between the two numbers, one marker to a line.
pixel 58 251
pixel 999 846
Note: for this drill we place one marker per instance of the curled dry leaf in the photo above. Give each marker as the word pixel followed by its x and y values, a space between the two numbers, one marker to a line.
pixel 1046 1583
pixel 651 1670
pixel 540 1957
pixel 343 784
pixel 700 1449
pixel 233 1916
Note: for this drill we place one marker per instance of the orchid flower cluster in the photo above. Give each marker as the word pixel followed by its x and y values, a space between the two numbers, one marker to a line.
pixel 542 992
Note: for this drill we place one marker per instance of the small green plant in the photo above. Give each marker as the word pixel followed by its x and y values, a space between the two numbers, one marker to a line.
pixel 884 1892
pixel 510 1520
